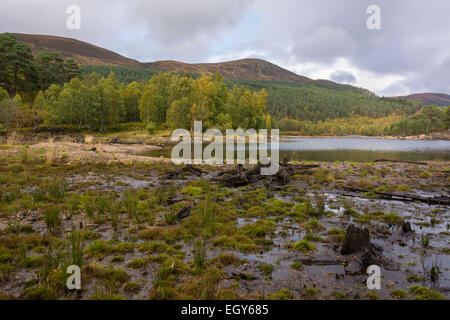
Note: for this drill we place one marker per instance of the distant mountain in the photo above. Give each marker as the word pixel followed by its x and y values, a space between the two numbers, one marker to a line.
pixel 84 53
pixel 246 69
pixel 439 99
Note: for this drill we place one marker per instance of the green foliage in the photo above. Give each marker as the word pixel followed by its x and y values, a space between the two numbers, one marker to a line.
pixel 100 97
pixel 21 72
pixel 427 120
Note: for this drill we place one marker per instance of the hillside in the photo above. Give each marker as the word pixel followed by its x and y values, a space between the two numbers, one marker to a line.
pixel 84 53
pixel 246 69
pixel 439 99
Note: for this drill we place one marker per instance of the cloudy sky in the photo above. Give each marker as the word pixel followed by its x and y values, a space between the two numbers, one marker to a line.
pixel 325 39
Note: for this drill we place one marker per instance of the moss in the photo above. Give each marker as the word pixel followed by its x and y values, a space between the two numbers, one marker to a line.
pixel 239 242
pixel 402 187
pixel 227 259
pixel 101 248
pixel 138 263
pixel 154 247
pixel 99 295
pixel 304 210
pixel 302 245
pixel 227 294
pixel 33 262
pixel 259 229
pixel 278 207
pixel 311 293
pixel 266 268
pixel 283 294
pixel 415 278
pixel 313 238
pixel 372 295
pixel 132 286
pixel 391 218
pixel 110 276
pixel 39 293
pixel 398 294
pixel 313 224
pixel 338 295
pixel 422 293
pixel 335 231
pixel 118 258
pixel 297 265
pixel 350 212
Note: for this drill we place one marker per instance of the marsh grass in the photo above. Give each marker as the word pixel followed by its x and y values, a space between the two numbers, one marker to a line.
pixel 130 204
pixel 75 204
pixel 57 189
pixel 199 252
pixel 53 220
pixel 114 214
pixel 77 242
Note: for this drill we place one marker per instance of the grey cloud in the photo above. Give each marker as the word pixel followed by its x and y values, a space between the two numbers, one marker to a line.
pixel 342 76
pixel 414 42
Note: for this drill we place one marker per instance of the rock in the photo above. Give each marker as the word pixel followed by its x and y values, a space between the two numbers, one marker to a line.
pixel 356 240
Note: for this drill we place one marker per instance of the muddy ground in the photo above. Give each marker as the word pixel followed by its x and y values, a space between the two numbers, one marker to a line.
pixel 116 213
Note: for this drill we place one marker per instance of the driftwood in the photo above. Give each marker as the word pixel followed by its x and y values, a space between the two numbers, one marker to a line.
pixel 239 176
pixel 188 168
pixel 320 262
pixel 173 200
pixel 441 200
pixel 402 161
pixel 184 212
pixel 119 141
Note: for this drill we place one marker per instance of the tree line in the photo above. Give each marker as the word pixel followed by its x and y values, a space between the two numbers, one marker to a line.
pixel 429 119
pixel 95 103
pixel 46 92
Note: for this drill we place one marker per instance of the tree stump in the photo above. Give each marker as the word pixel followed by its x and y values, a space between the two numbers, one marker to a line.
pixel 356 240
pixel 406 227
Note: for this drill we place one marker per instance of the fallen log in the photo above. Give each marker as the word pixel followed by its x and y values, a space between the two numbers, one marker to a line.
pixel 239 176
pixel 184 212
pixel 441 200
pixel 119 141
pixel 188 168
pixel 320 262
pixel 173 200
pixel 402 161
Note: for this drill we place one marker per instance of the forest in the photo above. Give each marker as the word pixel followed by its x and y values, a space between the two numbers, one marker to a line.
pixel 45 92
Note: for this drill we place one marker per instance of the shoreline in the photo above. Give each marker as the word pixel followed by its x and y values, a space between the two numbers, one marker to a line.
pixel 423 137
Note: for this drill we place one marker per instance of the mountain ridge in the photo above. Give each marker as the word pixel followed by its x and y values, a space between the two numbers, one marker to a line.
pixel 427 98
pixel 250 69
pixel 87 54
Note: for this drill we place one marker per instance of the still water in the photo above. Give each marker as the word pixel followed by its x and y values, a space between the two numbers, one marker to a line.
pixel 353 149
pixel 363 149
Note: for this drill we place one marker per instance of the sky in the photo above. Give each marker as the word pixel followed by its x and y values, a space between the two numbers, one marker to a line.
pixel 319 39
